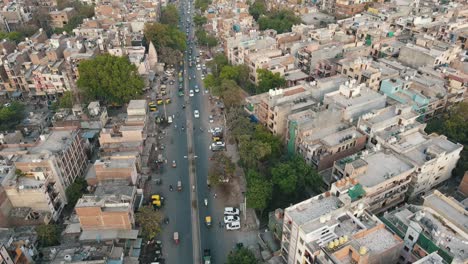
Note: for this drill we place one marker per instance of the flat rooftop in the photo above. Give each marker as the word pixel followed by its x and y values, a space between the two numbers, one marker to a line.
pixel 312 209
pixel 136 104
pixel 434 145
pixel 382 167
pixel 341 136
pixel 449 208
pixel 379 241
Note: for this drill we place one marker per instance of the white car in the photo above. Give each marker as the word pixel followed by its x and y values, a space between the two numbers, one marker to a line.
pixel 197 89
pixel 196 114
pixel 231 218
pixel 204 66
pixel 233 226
pixel 231 211
pixel 211 119
pixel 191 94
pixel 169 119
pixel 198 67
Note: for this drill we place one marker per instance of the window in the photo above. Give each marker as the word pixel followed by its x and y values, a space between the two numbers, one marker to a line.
pixel 299 251
pixel 411 237
pixel 301 241
pixel 406 248
pixel 402 258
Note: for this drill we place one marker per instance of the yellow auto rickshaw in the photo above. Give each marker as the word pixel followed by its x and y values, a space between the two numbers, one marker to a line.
pixel 208 221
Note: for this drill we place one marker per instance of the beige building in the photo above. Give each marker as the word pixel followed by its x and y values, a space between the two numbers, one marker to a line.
pixel 112 168
pixel 44 170
pixel 361 70
pixel 273 108
pixel 383 176
pixel 60 18
pixel 123 138
pixel 328 229
pixel 109 208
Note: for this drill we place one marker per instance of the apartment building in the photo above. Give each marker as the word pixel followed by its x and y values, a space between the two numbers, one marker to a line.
pixel 112 168
pixel 310 58
pixel 110 207
pixel 361 70
pixel 438 226
pixel 321 137
pixel 433 156
pixel 121 139
pixel 44 170
pixel 273 108
pixel 60 18
pixel 418 56
pixel 354 100
pixel 323 229
pixel 383 175
pixel 50 79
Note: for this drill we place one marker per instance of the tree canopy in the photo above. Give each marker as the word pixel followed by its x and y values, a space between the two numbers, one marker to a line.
pixel 280 20
pixel 170 15
pixel 205 39
pixel 202 4
pixel 199 20
pixel 269 80
pixel 259 190
pixel 150 221
pixel 82 11
pixel 75 191
pixel 257 9
pixel 241 256
pixel 48 235
pixel 109 79
pixel 11 115
pixel 163 35
pixel 294 175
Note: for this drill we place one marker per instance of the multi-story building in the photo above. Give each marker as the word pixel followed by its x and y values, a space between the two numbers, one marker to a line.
pixel 329 229
pixel 50 79
pixel 322 137
pixel 310 58
pixel 110 207
pixel 60 18
pixel 361 70
pixel 383 175
pixel 440 225
pixel 123 138
pixel 354 100
pixel 418 56
pixel 44 170
pixel 112 168
pixel 273 108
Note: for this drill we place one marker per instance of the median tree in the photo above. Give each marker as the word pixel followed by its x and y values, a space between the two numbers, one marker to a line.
pixel 199 20
pixel 149 221
pixel 168 40
pixel 110 79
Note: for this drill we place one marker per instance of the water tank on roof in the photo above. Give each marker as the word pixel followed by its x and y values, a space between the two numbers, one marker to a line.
pixel 236 28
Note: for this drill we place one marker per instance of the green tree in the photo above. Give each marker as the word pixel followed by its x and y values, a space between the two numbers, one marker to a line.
pixel 281 21
pixel 163 35
pixel 253 152
pixel 202 4
pixel 214 177
pixel 12 36
pixel 294 175
pixel 229 72
pixel 238 123
pixel 217 64
pixel 241 256
pixel 257 9
pixel 269 80
pixel 232 97
pixel 149 221
pixel 66 101
pixel 75 191
pixel 48 235
pixel 11 115
pixel 82 11
pixel 259 191
pixel 169 56
pixel 199 20
pixel 211 82
pixel 262 134
pixel 170 15
pixel 110 79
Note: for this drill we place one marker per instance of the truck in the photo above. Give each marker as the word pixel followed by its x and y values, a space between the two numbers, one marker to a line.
pixel 206 256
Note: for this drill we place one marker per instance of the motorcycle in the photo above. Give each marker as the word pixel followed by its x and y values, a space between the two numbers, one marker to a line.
pixel 170 188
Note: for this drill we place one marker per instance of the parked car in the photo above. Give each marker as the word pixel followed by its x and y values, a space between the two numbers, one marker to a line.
pixel 191 94
pixel 231 218
pixel 233 226
pixel 231 211
pixel 196 114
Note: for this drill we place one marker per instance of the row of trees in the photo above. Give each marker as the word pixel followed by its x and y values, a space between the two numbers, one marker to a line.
pixel 280 20
pixel 268 167
pixel 169 41
pixel 454 124
pixel 226 79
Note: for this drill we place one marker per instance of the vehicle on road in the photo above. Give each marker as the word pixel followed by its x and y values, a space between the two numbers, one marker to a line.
pixel 169 119
pixel 197 90
pixel 218 145
pixel 206 202
pixel 206 256
pixel 196 114
pixel 191 94
pixel 211 119
pixel 231 218
pixel 176 237
pixel 233 226
pixel 208 221
pixel 179 186
pixel 174 164
pixel 168 100
pixel 157 201
pixel 231 211
pixel 152 107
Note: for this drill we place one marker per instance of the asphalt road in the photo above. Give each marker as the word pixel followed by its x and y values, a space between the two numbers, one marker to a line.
pixel 178 205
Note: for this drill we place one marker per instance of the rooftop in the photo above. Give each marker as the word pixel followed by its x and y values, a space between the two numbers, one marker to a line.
pixel 378 241
pixel 136 104
pixel 381 167
pixel 111 194
pixel 312 208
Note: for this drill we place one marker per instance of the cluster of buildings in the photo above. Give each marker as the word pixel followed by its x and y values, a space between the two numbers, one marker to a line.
pixel 37 168
pixel 363 77
pixel 46 67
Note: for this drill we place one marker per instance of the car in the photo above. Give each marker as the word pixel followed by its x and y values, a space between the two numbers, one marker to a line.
pixel 204 66
pixel 233 226
pixel 169 119
pixel 231 211
pixel 197 89
pixel 231 218
pixel 211 119
pixel 171 82
pixel 174 164
pixel 196 114
pixel 191 94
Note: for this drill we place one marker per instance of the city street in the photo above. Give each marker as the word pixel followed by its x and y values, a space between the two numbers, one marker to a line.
pixel 187 142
